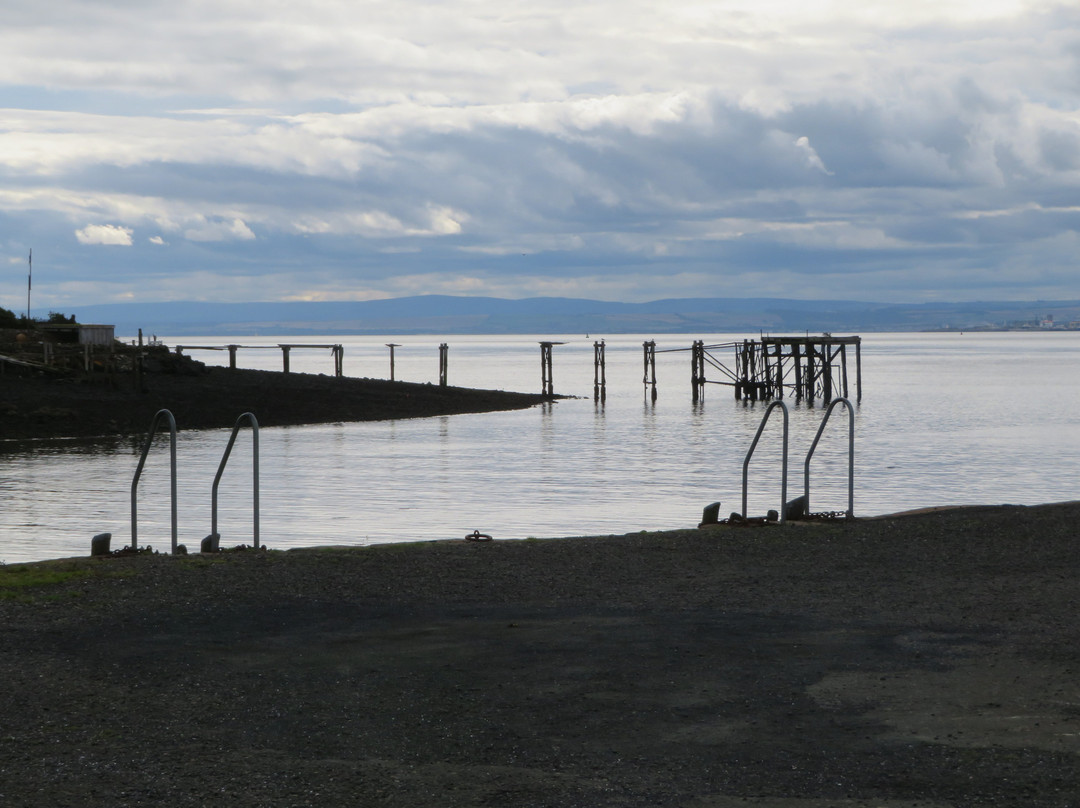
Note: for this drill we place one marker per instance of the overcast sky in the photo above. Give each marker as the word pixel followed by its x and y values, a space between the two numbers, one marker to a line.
pixel 239 150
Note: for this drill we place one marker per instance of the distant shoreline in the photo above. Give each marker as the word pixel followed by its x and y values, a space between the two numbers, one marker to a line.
pixel 994 330
pixel 445 315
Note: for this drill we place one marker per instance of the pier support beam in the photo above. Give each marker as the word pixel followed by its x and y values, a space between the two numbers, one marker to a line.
pixel 546 381
pixel 391 346
pixel 339 360
pixel 337 352
pixel 858 372
pixel 697 370
pixel 843 368
pixel 796 361
pixel 599 372
pixel 769 368
pixel 650 368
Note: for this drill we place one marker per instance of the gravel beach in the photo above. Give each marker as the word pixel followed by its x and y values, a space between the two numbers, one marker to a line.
pixel 918 660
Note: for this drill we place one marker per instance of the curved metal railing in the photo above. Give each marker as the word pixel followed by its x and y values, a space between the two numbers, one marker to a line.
pixel 851 455
pixel 753 446
pixel 138 473
pixel 254 474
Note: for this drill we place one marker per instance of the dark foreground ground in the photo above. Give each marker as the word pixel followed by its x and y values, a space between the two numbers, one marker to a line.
pixel 54 406
pixel 925 660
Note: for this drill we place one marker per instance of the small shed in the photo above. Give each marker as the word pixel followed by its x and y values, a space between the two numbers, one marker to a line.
pixel 96 334
pixel 81 333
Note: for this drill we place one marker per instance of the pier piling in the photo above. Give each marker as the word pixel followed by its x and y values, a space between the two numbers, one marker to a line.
pixel 599 372
pixel 546 381
pixel 391 346
pixel 650 368
pixel 697 370
pixel 807 368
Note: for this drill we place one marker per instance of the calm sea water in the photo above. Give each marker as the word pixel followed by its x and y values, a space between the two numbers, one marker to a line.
pixel 945 419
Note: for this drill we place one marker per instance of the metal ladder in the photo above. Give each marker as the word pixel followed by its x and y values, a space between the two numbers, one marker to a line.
pixel 168 416
pixel 850 513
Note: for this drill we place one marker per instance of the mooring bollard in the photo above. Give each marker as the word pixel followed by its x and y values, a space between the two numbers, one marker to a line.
pixel 795 509
pixel 99 545
pixel 711 515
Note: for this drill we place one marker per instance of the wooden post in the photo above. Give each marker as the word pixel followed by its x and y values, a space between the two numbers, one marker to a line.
pixel 650 367
pixel 797 362
pixel 697 370
pixel 285 357
pixel 599 372
pixel 443 364
pixel 858 371
pixel 339 360
pixel 843 368
pixel 739 372
pixel 547 384
pixel 232 356
pixel 748 390
pixel 765 371
pixel 826 371
pixel 779 351
pixel 391 346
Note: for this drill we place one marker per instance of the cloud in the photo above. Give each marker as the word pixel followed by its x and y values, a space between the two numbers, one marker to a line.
pixel 727 148
pixel 219 230
pixel 811 156
pixel 107 234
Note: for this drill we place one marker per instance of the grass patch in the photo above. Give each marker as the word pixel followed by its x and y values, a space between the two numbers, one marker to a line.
pixel 17 580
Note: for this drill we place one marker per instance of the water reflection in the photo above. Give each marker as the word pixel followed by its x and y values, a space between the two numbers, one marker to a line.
pixel 104 445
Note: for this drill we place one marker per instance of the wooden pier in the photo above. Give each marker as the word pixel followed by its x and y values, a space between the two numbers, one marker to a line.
pixel 338 352
pixel 805 368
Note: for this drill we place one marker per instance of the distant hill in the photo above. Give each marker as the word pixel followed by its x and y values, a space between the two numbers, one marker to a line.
pixel 440 314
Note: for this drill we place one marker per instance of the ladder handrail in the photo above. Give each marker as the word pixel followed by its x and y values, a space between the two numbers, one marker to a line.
pixel 851 455
pixel 138 473
pixel 753 446
pixel 254 474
